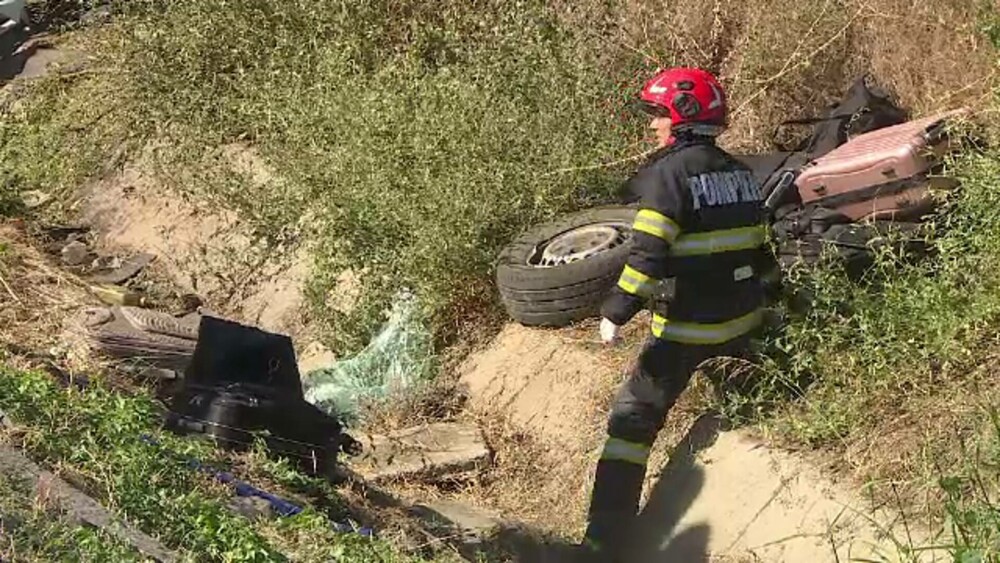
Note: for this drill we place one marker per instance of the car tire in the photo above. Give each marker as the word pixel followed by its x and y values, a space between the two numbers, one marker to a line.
pixel 559 272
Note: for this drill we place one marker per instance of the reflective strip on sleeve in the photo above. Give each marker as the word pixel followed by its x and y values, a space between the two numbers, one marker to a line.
pixel 616 449
pixel 656 224
pixel 713 242
pixel 706 333
pixel 634 282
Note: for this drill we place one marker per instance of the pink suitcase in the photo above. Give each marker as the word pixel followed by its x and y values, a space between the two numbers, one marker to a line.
pixel 881 174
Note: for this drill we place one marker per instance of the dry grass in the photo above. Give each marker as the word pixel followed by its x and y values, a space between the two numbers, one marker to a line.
pixel 784 59
pixel 436 401
pixel 36 296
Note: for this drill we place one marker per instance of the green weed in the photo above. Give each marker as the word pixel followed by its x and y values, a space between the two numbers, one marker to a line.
pixel 95 434
pixel 970 493
pixel 31 531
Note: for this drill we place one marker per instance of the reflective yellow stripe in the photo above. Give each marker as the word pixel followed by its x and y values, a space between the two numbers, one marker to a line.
pixel 634 282
pixel 656 224
pixel 712 242
pixel 616 449
pixel 706 333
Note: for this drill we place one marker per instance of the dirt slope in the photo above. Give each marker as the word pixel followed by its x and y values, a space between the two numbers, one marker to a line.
pixel 722 496
pixel 544 382
pixel 207 252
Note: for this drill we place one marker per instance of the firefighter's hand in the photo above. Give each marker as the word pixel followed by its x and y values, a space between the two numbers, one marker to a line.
pixel 609 332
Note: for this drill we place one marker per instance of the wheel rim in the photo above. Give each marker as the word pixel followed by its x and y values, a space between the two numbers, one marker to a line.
pixel 579 244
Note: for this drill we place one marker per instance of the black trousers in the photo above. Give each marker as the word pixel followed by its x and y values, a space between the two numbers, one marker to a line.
pixel 658 378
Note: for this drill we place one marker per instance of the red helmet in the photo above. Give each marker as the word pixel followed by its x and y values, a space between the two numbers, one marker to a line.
pixel 689 97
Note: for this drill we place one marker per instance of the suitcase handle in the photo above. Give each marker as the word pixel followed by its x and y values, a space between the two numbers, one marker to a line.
pixel 782 182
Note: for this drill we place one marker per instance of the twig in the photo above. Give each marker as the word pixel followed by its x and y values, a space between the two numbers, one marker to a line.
pixel 10 291
pixel 951 95
pixel 789 67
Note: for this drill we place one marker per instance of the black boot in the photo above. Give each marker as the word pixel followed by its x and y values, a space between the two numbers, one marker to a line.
pixel 607 537
pixel 614 504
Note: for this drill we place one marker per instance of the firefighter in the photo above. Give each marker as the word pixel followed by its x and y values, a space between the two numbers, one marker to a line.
pixel 700 226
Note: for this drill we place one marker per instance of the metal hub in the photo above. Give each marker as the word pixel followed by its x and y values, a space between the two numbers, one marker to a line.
pixel 579 244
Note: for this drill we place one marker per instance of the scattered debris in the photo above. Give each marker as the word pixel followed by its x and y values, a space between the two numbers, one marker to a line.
pixel 423 452
pixel 395 360
pixel 58 235
pixel 117 295
pixel 242 383
pixel 161 323
pixel 112 332
pixel 276 505
pixel 14 10
pixel 126 271
pixel 150 372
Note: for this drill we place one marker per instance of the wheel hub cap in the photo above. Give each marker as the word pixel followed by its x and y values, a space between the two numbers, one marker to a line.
pixel 581 243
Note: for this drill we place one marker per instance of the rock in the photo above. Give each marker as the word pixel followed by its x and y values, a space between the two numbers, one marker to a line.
pixel 253 508
pixel 74 253
pixel 424 452
pixel 453 517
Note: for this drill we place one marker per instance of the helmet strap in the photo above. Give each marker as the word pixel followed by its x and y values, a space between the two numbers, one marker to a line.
pixel 700 129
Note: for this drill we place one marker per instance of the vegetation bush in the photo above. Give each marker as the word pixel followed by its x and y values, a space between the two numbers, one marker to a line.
pixel 413 139
pixel 917 323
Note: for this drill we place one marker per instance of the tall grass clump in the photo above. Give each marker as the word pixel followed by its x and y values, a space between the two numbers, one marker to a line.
pixel 971 530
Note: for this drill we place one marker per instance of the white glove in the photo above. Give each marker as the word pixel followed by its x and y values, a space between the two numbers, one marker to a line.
pixel 609 332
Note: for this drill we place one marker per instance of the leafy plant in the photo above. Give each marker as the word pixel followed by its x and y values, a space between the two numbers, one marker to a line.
pixel 96 435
